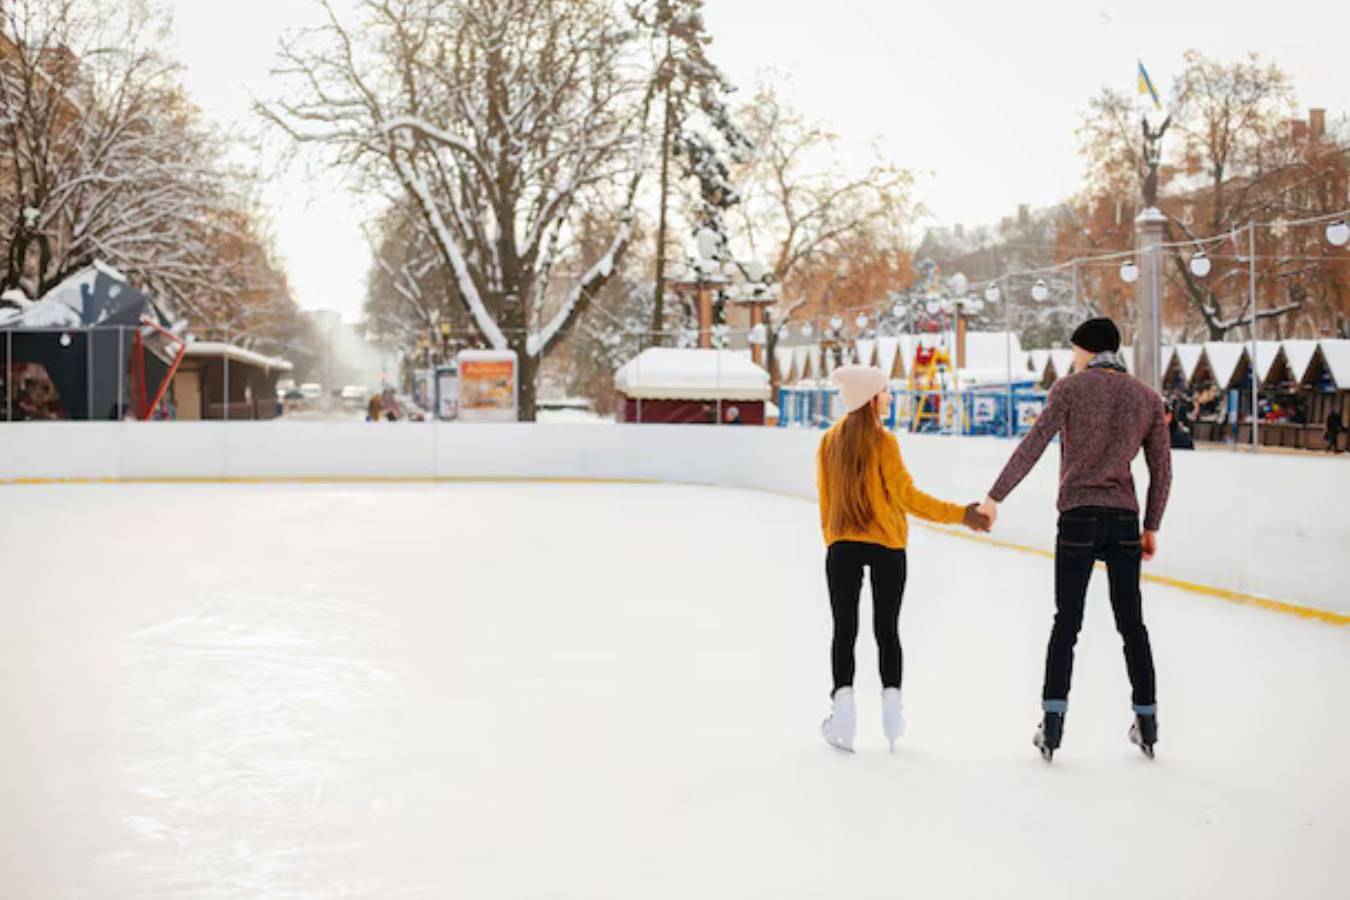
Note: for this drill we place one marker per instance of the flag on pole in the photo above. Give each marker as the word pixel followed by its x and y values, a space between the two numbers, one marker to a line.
pixel 1146 86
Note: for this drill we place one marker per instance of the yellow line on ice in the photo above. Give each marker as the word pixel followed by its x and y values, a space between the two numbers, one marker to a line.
pixel 1280 606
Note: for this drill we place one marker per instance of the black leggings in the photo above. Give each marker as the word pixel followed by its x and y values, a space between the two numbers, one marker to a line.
pixel 844 571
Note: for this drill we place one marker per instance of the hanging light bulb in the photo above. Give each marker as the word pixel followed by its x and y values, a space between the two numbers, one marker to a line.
pixel 991 294
pixel 958 283
pixel 1040 291
pixel 836 323
pixel 1338 233
pixel 975 307
pixel 1200 264
pixel 756 335
pixel 861 321
pixel 1129 272
pixel 807 330
pixel 898 310
pixel 932 306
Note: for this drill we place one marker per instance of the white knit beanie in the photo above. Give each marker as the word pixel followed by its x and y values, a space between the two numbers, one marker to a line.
pixel 858 384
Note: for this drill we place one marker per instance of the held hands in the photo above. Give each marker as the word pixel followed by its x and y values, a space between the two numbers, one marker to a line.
pixel 976 520
pixel 989 508
pixel 1148 542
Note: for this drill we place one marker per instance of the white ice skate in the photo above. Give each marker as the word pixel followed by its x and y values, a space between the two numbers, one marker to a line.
pixel 892 715
pixel 838 729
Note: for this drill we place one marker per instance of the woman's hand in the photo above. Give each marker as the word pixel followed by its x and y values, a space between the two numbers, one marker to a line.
pixel 990 509
pixel 976 520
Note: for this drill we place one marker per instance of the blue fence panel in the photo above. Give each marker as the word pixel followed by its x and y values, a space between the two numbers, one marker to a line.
pixel 985 411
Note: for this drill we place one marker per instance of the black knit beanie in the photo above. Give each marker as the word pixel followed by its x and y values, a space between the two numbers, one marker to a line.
pixel 1097 336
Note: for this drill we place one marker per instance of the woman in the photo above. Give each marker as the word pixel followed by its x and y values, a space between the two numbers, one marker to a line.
pixel 865 493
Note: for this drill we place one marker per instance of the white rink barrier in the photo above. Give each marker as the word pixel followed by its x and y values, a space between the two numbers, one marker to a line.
pixel 1272 526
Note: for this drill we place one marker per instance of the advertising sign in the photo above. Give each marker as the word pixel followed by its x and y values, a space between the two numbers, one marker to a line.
pixel 488 389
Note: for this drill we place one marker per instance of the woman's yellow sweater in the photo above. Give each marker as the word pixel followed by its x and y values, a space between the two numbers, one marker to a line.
pixel 892 493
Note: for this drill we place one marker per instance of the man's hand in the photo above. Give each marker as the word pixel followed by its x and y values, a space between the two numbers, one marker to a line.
pixel 976 520
pixel 989 508
pixel 1148 541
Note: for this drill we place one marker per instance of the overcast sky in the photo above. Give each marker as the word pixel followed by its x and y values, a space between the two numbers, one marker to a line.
pixel 979 98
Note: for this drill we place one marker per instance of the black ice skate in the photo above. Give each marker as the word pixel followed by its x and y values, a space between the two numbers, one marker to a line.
pixel 1144 733
pixel 1048 734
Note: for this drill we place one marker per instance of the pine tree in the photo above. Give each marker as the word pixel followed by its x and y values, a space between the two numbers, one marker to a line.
pixel 697 127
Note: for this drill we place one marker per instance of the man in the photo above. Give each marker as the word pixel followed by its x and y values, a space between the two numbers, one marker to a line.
pixel 1103 417
pixel 1333 434
pixel 1179 436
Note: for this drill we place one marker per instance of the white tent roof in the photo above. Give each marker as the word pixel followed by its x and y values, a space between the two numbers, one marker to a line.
pixel 666 373
pixel 1038 361
pixel 1298 354
pixel 991 350
pixel 1188 357
pixel 1127 354
pixel 1062 360
pixel 801 360
pixel 1266 353
pixel 1337 355
pixel 888 348
pixel 1224 358
pixel 866 350
pixel 217 349
pixel 783 358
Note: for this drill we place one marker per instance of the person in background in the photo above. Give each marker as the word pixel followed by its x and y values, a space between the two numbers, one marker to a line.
pixel 865 495
pixel 1103 417
pixel 1180 437
pixel 1334 428
pixel 733 416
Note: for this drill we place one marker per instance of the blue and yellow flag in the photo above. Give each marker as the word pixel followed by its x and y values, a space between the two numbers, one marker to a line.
pixel 1146 86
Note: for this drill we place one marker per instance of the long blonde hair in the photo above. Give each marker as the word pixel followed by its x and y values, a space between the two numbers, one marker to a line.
pixel 847 456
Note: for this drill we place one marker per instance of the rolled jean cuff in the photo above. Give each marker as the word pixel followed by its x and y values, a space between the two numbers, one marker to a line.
pixel 1146 709
pixel 1055 706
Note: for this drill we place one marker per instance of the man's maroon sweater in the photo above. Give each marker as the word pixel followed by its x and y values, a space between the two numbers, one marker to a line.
pixel 1103 417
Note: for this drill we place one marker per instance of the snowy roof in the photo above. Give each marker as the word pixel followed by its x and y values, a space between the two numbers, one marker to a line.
pixel 1062 360
pixel 1127 354
pixel 665 373
pixel 888 348
pixel 46 313
pixel 1298 354
pixel 1337 355
pixel 219 350
pixel 866 351
pixel 98 294
pixel 1188 357
pixel 992 349
pixel 1266 354
pixel 1224 358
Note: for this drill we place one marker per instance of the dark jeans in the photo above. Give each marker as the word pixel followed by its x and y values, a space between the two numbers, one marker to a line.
pixel 844 571
pixel 1086 535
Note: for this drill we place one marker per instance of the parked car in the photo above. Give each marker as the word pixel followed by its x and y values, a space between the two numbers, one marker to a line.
pixel 354 396
pixel 311 390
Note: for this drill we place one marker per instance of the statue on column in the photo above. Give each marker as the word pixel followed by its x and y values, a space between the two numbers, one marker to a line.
pixel 1152 156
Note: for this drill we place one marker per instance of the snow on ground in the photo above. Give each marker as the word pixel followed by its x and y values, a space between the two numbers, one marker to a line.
pixel 612 691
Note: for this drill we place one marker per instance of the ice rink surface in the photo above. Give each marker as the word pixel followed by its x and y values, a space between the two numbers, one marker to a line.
pixel 582 691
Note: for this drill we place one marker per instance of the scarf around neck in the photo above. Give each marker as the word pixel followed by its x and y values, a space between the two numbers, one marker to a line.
pixel 1109 359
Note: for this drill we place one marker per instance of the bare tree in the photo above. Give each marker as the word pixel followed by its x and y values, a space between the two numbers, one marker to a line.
pixel 799 207
pixel 495 119
pixel 101 156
